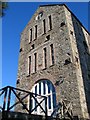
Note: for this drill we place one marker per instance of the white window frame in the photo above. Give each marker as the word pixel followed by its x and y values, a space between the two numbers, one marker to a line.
pixel 39 112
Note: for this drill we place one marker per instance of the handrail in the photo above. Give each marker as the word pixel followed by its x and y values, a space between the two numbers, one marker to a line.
pixel 6 91
pixel 21 90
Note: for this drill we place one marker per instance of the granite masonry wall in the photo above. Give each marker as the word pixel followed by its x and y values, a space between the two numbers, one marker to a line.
pixel 71 68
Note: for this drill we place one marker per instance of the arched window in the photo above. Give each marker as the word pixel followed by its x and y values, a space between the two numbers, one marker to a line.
pixel 45 88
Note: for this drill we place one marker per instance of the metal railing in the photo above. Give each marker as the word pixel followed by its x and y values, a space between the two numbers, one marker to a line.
pixel 6 92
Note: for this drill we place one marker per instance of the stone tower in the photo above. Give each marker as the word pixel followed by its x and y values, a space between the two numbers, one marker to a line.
pixel 54 59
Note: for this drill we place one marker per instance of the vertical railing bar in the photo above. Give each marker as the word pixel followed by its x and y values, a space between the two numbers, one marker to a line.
pixel 8 102
pixel 46 108
pixel 30 104
pixel 4 102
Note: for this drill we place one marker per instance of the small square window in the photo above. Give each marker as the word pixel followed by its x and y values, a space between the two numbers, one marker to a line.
pixel 67 61
pixel 20 50
pixel 18 81
pixel 71 32
pixel 48 37
pixel 76 59
pixel 62 24
pixel 32 46
pixel 39 16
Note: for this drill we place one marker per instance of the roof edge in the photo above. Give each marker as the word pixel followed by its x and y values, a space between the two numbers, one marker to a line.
pixel 52 5
pixel 76 18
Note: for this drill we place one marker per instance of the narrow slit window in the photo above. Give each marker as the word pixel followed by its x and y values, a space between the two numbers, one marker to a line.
pixel 20 50
pixel 44 26
pixel 52 54
pixel 30 35
pixel 62 24
pixel 29 65
pixel 50 22
pixel 35 55
pixel 45 57
pixel 36 32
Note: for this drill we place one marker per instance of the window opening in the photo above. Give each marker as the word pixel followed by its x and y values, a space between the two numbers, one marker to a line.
pixel 47 89
pixel 30 35
pixel 20 50
pixel 35 55
pixel 76 59
pixel 71 32
pixel 29 65
pixel 48 37
pixel 18 81
pixel 62 24
pixel 32 47
pixel 39 16
pixel 50 22
pixel 45 57
pixel 67 61
pixel 36 32
pixel 69 54
pixel 52 53
pixel 44 26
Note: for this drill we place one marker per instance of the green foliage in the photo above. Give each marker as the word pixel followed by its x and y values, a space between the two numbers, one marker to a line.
pixel 3 6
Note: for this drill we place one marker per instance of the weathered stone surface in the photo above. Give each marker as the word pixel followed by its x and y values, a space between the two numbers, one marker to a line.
pixel 67 36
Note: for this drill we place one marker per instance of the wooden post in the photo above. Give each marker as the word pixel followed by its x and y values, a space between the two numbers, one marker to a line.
pixel 8 102
pixel 30 104
pixel 4 103
pixel 46 108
